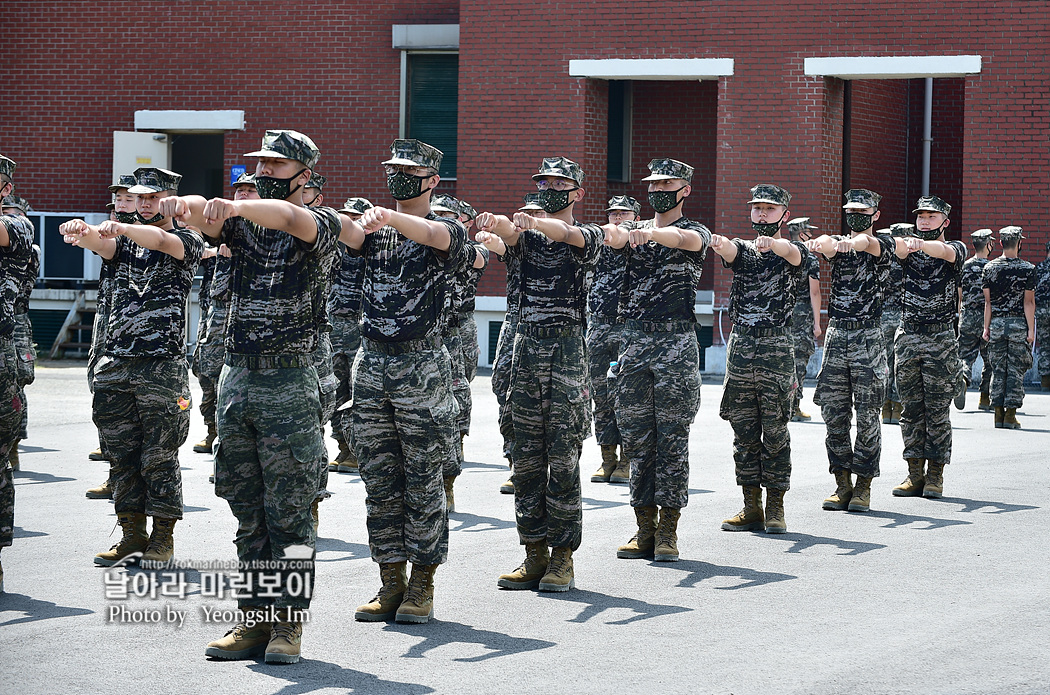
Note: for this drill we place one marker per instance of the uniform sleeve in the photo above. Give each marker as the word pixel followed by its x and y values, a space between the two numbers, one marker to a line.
pixel 814 265
pixel 456 256
pixel 193 245
pixel 1029 283
pixel 960 254
pixel 20 234
pixel 697 257
pixel 593 240
pixel 328 229
pixel 745 256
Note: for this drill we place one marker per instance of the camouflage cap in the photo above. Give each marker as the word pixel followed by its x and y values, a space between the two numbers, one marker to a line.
pixel 356 206
pixel 1010 232
pixel 560 166
pixel 110 207
pixel 530 201
pixel 624 202
pixel 288 144
pixel 7 167
pixel 152 179
pixel 14 201
pixel 932 204
pixel 244 180
pixel 769 193
pixel 857 198
pixel 124 182
pixel 316 181
pixel 467 210
pixel 414 153
pixel 797 225
pixel 981 235
pixel 665 168
pixel 444 203
pixel 902 229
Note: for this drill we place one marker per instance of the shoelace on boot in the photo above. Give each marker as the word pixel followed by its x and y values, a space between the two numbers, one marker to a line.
pixel 287 631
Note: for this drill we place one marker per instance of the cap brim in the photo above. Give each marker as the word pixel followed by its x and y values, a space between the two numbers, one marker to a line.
pixel 140 189
pixel 765 200
pixel 117 187
pixel 619 208
pixel 442 208
pixel 917 210
pixel 541 174
pixel 856 206
pixel 660 177
pixel 269 153
pixel 523 208
pixel 400 161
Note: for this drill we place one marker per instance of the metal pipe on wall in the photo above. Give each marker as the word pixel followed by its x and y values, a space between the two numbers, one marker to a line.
pixel 927 136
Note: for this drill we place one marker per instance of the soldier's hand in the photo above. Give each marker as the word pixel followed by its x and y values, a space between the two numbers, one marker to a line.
pixel 110 229
pixel 224 251
pixel 374 219
pixel 485 222
pixel 640 237
pixel 1030 338
pixel 175 207
pixel 985 337
pixel 764 244
pixel 813 245
pixel 914 244
pixel 717 241
pixel 489 241
pixel 817 331
pixel 844 246
pixel 219 210
pixel 524 221
pixel 74 228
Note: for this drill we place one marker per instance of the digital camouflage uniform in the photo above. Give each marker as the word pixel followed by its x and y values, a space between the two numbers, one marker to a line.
pixel 971 320
pixel 549 394
pixel 23 334
pixel 404 416
pixel 270 444
pixel 926 348
pixel 141 384
pixel 892 296
pixel 13 257
pixel 466 295
pixel 803 342
pixel 604 335
pixel 344 312
pixel 206 381
pixel 1042 316
pixel 760 376
pixel 501 362
pixel 853 369
pixel 1010 353
pixel 658 376
pixel 211 348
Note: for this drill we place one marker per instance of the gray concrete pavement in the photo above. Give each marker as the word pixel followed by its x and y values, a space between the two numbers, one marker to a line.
pixel 917 596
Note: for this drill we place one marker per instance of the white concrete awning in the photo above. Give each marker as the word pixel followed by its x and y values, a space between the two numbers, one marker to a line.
pixel 652 68
pixel 189 121
pixel 892 67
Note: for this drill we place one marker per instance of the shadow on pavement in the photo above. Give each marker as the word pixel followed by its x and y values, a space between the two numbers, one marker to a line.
pixel 498 643
pixel 356 551
pixel 598 602
pixel 24 477
pixel 473 523
pixel 590 504
pixel 969 506
pixel 699 571
pixel 802 541
pixel 35 609
pixel 309 675
pixel 897 520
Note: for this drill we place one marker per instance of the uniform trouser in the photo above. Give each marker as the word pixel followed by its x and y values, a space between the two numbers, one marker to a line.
pixel 141 407
pixel 853 375
pixel 803 342
pixel 501 373
pixel 266 465
pixel 10 421
pixel 657 396
pixel 346 340
pixel 603 348
pixel 972 343
pixel 404 424
pixel 453 466
pixel 891 320
pixel 26 351
pixel 549 407
pixel 468 333
pixel 1011 357
pixel 927 367
pixel 209 357
pixel 327 385
pixel 1042 337
pixel 757 401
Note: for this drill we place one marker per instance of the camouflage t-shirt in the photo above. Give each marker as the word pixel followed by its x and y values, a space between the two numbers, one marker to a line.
pixel 147 303
pixel 603 298
pixel 972 283
pixel 856 287
pixel 27 280
pixel 1007 279
pixel 278 286
pixel 660 282
pixel 1042 284
pixel 468 278
pixel 893 285
pixel 207 271
pixel 407 286
pixel 13 260
pixel 344 301
pixel 812 264
pixel 513 264
pixel 220 278
pixel 764 286
pixel 930 286
pixel 553 276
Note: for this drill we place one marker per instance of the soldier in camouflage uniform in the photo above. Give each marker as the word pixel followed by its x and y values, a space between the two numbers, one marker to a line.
pixel 971 319
pixel 657 372
pixel 141 386
pixel 270 446
pixel 1009 325
pixel 604 331
pixel 805 317
pixel 16 242
pixel 853 369
pixel 892 295
pixel 344 312
pixel 927 349
pixel 208 395
pixel 1042 318
pixel 468 325
pixel 312 192
pixel 549 395
pixel 404 413
pixel 760 362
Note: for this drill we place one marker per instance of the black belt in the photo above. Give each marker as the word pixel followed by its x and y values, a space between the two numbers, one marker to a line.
pixel 927 328
pixel 599 320
pixel 849 324
pixel 760 332
pixel 549 331
pixel 402 347
pixel 659 326
pixel 269 361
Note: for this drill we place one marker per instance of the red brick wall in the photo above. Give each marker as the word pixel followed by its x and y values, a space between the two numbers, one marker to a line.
pixel 879 146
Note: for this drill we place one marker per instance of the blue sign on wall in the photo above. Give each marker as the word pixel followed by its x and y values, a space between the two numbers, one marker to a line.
pixel 236 172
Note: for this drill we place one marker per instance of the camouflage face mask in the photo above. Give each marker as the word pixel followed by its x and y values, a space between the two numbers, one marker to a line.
pixel 153 220
pixel 929 234
pixel 555 201
pixel 766 228
pixel 664 201
pixel 128 217
pixel 405 186
pixel 273 188
pixel 858 221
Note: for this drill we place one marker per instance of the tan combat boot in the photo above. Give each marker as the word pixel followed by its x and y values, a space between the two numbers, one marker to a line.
pixel 530 571
pixel 643 542
pixel 284 644
pixel 102 492
pixel 507 488
pixel 97 455
pixel 609 463
pixel 839 500
pixel 750 518
pixel 895 416
pixel 315 514
pixel 133 541
pixel 985 402
pixel 912 485
pixel 161 543
pixel 775 522
pixel 245 640
pixel 204 445
pixel 418 604
pixel 800 415
pixel 560 576
pixel 887 412
pixel 667 535
pixel 346 460
pixel 934 481
pixel 12 455
pixel 1010 419
pixel 622 474
pixel 1000 415
pixel 450 496
pixel 861 501
pixel 394 576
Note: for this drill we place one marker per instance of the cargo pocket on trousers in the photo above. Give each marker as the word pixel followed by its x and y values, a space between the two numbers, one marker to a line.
pixel 25 364
pixel 443 414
